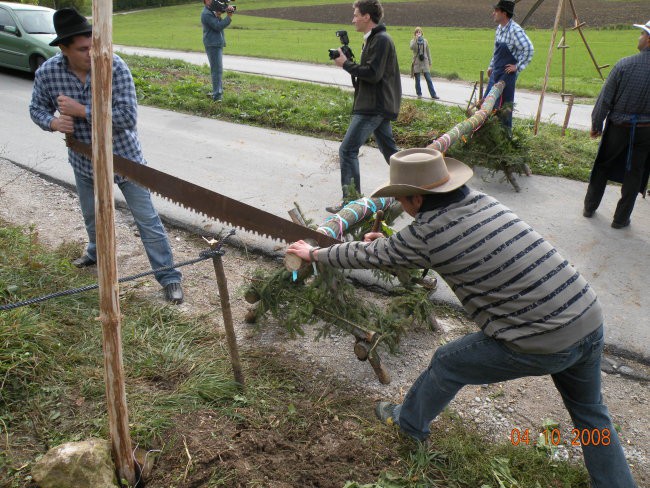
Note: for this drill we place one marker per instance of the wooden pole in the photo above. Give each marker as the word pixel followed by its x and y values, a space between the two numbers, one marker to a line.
pixel 548 64
pixel 102 143
pixel 231 338
pixel 578 26
pixel 567 115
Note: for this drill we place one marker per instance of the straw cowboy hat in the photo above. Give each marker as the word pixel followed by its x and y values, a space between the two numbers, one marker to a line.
pixel 423 172
pixel 68 23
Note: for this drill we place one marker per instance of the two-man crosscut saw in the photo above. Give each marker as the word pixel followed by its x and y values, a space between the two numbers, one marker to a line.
pixel 208 202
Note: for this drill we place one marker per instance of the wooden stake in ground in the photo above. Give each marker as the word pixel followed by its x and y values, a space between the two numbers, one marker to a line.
pixel 102 144
pixel 222 282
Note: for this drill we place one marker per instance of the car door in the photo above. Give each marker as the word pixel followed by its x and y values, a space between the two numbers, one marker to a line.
pixel 12 53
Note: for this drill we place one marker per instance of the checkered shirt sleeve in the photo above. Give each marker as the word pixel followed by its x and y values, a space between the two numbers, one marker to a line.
pixel 517 41
pixel 54 77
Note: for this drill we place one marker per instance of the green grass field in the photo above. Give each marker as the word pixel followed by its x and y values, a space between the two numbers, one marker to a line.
pixel 458 53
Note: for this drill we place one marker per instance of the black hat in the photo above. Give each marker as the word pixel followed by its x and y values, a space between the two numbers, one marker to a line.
pixel 508 6
pixel 67 23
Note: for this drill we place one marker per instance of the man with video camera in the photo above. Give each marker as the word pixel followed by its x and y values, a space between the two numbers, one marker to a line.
pixel 214 39
pixel 377 93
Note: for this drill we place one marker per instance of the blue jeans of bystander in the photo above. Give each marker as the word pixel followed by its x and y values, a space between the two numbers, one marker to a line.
pixel 361 126
pixel 153 235
pixel 418 87
pixel 215 58
pixel 477 359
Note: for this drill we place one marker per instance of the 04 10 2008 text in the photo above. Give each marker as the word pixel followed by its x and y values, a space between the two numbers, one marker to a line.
pixel 579 437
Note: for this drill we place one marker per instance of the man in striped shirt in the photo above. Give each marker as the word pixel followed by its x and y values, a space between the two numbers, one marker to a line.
pixel 62 84
pixel 513 51
pixel 536 313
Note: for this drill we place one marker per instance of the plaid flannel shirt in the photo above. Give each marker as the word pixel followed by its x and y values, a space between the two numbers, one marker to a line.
pixel 54 77
pixel 517 41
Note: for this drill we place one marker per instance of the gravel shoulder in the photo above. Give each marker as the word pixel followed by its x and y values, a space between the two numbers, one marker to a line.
pixel 495 410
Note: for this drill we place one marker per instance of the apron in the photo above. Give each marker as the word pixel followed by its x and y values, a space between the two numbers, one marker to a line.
pixel 503 56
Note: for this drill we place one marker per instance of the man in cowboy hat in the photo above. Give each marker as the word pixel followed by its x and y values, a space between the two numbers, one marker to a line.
pixel 624 152
pixel 513 51
pixel 536 313
pixel 62 84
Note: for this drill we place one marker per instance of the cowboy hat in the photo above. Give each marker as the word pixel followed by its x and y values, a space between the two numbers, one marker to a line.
pixel 422 172
pixel 645 27
pixel 508 6
pixel 68 23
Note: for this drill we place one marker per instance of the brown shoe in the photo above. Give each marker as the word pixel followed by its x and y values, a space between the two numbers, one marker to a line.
pixel 336 208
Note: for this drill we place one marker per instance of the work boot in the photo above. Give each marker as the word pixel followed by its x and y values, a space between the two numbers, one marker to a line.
pixel 384 412
pixel 84 261
pixel 173 293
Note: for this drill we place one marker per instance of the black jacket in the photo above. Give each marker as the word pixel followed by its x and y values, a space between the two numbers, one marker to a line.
pixel 376 79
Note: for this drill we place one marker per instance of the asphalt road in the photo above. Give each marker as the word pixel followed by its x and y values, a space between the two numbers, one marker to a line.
pixel 271 170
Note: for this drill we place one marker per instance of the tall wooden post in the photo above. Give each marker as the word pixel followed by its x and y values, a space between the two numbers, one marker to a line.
pixel 548 64
pixel 102 144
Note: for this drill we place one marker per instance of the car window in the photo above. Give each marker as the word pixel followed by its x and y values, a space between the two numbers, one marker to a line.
pixel 37 21
pixel 5 19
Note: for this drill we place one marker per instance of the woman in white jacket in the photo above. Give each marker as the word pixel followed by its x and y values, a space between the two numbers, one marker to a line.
pixel 421 63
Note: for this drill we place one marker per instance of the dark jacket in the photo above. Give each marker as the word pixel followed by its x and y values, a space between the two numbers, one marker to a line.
pixel 213 27
pixel 376 79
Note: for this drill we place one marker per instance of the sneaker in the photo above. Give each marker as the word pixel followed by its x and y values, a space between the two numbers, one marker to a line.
pixel 173 293
pixel 84 261
pixel 384 412
pixel 336 208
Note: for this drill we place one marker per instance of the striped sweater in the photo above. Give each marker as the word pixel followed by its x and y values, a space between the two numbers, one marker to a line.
pixel 512 283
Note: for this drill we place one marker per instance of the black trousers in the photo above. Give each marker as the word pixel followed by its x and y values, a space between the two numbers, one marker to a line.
pixel 610 164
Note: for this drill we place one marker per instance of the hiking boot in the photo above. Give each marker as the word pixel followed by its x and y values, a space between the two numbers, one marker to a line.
pixel 336 208
pixel 384 412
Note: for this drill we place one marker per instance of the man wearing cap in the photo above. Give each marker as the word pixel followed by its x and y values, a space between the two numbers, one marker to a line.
pixel 62 84
pixel 377 94
pixel 624 152
pixel 513 51
pixel 537 314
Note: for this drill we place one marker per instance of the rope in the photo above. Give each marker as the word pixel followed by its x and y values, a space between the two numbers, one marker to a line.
pixel 203 255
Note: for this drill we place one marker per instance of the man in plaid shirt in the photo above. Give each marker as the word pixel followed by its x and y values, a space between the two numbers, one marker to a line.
pixel 513 51
pixel 62 84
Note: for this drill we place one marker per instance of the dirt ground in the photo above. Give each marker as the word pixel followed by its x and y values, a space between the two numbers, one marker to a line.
pixel 468 13
pixel 493 410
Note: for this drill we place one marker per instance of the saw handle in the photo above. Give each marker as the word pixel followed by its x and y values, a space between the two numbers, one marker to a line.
pixel 376 225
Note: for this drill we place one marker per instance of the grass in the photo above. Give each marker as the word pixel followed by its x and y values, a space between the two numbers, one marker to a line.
pixel 454 56
pixel 180 391
pixel 321 111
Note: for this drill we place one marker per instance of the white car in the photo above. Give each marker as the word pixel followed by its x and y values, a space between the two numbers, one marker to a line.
pixel 25 34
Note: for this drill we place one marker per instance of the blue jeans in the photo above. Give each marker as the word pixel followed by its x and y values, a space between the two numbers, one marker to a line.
pixel 153 235
pixel 477 359
pixel 361 126
pixel 418 88
pixel 215 58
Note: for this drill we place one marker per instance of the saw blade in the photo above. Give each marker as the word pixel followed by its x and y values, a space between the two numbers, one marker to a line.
pixel 208 202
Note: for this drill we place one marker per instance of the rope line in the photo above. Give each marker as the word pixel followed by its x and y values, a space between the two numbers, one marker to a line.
pixel 203 255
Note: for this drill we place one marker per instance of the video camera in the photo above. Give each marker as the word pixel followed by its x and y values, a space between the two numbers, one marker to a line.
pixel 334 53
pixel 221 6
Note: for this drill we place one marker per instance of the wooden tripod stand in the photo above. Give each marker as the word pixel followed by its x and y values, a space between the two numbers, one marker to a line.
pixel 577 25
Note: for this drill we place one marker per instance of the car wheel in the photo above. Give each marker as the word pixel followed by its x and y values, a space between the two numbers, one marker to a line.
pixel 36 62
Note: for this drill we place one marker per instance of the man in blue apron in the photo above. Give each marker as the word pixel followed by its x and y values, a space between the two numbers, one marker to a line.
pixel 513 51
pixel 624 152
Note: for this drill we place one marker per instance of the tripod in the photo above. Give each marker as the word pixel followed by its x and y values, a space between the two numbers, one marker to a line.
pixel 577 25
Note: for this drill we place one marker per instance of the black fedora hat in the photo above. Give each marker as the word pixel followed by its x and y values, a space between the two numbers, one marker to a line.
pixel 67 23
pixel 508 6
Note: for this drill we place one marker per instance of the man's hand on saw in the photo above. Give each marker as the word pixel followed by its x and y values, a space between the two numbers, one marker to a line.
pixel 63 123
pixel 68 106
